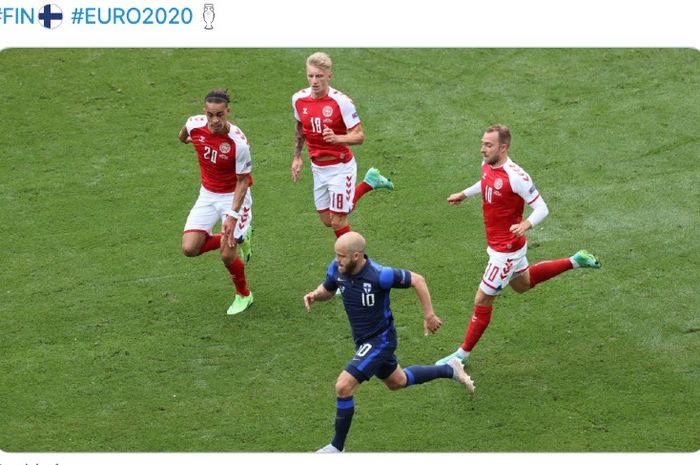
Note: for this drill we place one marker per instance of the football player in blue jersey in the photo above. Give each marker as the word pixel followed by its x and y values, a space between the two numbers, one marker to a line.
pixel 365 286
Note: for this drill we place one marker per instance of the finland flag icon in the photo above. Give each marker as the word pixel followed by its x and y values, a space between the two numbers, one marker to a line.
pixel 50 16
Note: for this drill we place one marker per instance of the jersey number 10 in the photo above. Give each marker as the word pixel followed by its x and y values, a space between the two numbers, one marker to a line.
pixel 367 300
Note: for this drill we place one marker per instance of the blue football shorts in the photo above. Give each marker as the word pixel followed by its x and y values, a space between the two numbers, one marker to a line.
pixel 374 357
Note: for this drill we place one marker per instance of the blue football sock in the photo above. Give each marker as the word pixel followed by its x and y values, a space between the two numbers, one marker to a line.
pixel 345 408
pixel 418 374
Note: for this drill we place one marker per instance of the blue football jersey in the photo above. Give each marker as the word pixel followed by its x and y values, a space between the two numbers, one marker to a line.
pixel 366 297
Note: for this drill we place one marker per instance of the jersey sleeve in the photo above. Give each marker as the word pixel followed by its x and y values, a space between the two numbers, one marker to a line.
pixel 294 109
pixel 194 122
pixel 522 184
pixel 329 282
pixel 295 98
pixel 474 189
pixel 347 109
pixel 394 278
pixel 244 162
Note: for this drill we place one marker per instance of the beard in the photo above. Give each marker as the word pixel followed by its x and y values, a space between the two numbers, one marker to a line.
pixel 350 267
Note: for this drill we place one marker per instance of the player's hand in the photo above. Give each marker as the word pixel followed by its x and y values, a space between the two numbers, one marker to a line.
pixel 227 230
pixel 309 299
pixel 329 136
pixel 431 324
pixel 520 228
pixel 455 199
pixel 297 163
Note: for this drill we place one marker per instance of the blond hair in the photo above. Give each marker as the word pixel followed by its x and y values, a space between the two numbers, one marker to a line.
pixel 320 60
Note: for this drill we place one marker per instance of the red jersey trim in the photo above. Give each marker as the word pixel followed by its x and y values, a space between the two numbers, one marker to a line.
pixel 335 161
pixel 195 230
pixel 538 196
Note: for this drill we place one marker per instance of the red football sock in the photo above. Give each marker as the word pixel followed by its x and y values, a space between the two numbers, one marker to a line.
pixel 237 270
pixel 477 326
pixel 360 190
pixel 543 271
pixel 341 231
pixel 211 243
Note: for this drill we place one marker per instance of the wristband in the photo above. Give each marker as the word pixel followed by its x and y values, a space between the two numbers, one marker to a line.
pixel 232 213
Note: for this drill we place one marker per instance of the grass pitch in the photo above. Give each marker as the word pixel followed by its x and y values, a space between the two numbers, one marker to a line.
pixel 112 340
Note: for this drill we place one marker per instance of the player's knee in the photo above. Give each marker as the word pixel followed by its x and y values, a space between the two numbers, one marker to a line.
pixel 342 389
pixel 189 250
pixel 394 386
pixel 338 221
pixel 521 283
pixel 481 299
pixel 325 218
pixel 228 255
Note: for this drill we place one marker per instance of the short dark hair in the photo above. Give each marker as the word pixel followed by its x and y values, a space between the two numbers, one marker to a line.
pixel 503 133
pixel 218 96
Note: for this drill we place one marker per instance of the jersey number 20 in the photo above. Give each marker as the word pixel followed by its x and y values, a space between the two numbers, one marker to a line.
pixel 210 154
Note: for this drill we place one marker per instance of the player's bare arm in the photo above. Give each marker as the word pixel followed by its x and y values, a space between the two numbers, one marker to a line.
pixel 242 185
pixel 320 294
pixel 297 161
pixel 355 136
pixel 431 322
pixel 184 136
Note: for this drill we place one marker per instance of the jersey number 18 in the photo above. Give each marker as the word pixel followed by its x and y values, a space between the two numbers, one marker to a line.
pixel 316 125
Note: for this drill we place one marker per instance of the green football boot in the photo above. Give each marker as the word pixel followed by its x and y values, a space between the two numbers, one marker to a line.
pixel 245 248
pixel 584 259
pixel 446 360
pixel 240 303
pixel 375 179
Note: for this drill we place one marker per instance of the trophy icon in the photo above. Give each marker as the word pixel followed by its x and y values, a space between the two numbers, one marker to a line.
pixel 208 15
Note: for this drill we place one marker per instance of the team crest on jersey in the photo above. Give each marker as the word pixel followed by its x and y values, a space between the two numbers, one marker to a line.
pixel 367 287
pixel 225 147
pixel 342 289
pixel 327 111
pixel 202 139
pixel 498 183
